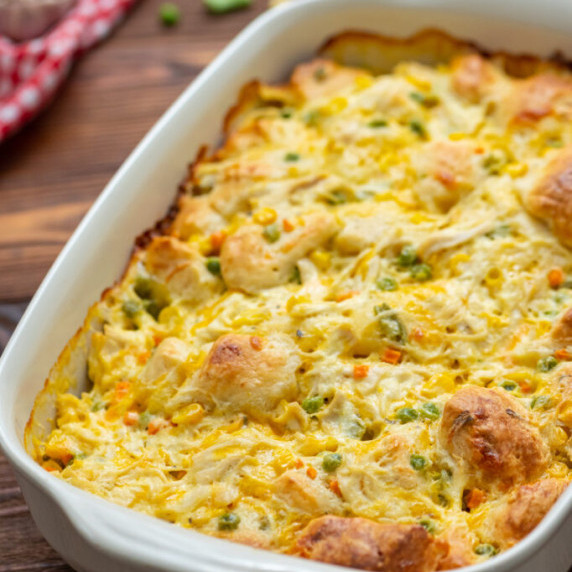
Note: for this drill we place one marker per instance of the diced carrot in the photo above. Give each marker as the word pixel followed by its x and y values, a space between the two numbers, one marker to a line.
pixel 256 343
pixel 556 277
pixel 474 498
pixel 121 389
pixel 155 425
pixel 479 150
pixel 391 356
pixel 360 371
pixel 525 386
pixel 346 295
pixel 335 487
pixel 446 178
pixel 217 240
pixel 157 340
pixel 131 418
pixel 417 333
pixel 298 464
pixel 66 457
pixel 51 466
pixel 143 357
pixel 562 355
pixel 287 225
pixel 311 472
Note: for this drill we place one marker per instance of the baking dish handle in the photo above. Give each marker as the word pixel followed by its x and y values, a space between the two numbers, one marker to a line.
pixel 134 540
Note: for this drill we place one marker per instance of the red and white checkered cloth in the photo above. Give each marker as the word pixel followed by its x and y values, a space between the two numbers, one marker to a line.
pixel 31 72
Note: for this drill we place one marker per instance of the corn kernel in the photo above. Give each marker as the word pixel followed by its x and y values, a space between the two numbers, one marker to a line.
pixel 418 218
pixel 363 81
pixel 457 136
pixel 422 84
pixel 293 171
pixel 494 277
pixel 336 105
pixel 565 412
pixel 558 470
pixel 438 384
pixel 388 160
pixel 294 300
pixel 321 259
pixel 314 445
pixel 517 169
pixel 558 437
pixel 189 415
pixel 250 318
pixel 265 216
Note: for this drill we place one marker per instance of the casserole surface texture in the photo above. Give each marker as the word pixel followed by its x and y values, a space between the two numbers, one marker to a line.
pixel 350 339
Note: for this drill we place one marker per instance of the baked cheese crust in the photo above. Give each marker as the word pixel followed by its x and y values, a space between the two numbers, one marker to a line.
pixel 351 342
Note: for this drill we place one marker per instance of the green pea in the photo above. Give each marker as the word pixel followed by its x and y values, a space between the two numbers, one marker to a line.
pixel 286 113
pixel 418 128
pixel 429 525
pixel 418 462
pixel 153 308
pixel 501 231
pixel 291 157
pixel 131 308
pixel 430 411
pixel 296 277
pixel 508 385
pixel 213 265
pixel 271 232
pixel 485 550
pixel 426 100
pixel 223 6
pixel 169 14
pixel 143 287
pixel 331 462
pixel 144 419
pixel 313 404
pixel 540 402
pixel 407 256
pixel 387 284
pixel 494 162
pixel 312 118
pixel 155 296
pixel 97 406
pixel 390 325
pixel 228 521
pixel 376 123
pixel 406 415
pixel 337 197
pixel 421 272
pixel 547 363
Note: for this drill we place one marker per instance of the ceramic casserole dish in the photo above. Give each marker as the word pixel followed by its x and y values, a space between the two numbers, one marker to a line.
pixel 90 533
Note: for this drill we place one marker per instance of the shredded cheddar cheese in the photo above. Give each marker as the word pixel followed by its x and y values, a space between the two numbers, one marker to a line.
pixel 357 323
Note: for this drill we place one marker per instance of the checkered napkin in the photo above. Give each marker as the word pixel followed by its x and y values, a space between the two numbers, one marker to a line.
pixel 31 72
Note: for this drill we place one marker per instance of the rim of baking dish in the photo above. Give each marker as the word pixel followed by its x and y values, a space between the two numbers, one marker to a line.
pixel 104 524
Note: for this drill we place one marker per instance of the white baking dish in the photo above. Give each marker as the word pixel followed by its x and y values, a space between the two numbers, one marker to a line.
pixel 92 534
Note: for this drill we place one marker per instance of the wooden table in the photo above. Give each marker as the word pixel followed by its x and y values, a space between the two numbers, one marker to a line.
pixel 51 172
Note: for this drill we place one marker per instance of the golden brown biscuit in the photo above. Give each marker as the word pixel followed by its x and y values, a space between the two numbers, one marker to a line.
pixel 362 543
pixel 491 433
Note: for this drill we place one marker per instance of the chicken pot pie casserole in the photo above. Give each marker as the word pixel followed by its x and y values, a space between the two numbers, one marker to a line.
pixel 351 338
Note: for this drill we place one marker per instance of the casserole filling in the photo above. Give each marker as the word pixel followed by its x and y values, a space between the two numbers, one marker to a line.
pixel 352 340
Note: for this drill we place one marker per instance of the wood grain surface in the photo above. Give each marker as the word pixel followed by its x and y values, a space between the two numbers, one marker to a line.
pixel 51 172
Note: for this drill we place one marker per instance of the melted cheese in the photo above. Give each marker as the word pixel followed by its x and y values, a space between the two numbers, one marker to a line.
pixel 358 253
